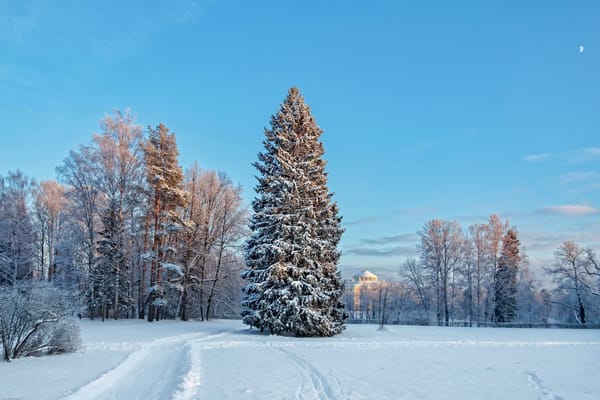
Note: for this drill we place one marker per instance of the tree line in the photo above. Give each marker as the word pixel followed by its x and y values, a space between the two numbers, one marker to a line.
pixel 480 276
pixel 126 229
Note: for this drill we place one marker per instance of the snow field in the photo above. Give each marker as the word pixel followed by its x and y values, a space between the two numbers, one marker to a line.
pixel 223 360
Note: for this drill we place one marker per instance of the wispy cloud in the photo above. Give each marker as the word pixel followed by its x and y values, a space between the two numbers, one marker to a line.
pixel 537 157
pixel 398 213
pixel 543 243
pixel 584 154
pixel 368 220
pixel 188 11
pixel 400 245
pixel 578 177
pixel 395 251
pixel 411 212
pixel 577 156
pixel 570 210
pixel 384 240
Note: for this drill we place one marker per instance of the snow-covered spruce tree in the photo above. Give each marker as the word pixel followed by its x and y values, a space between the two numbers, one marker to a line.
pixel 109 277
pixel 294 286
pixel 505 278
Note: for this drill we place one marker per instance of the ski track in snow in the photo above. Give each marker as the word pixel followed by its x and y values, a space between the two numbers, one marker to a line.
pixel 189 385
pixel 545 392
pixel 167 368
pixel 319 383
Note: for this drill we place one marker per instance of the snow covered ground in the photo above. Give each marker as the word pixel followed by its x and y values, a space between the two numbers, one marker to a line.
pixel 224 360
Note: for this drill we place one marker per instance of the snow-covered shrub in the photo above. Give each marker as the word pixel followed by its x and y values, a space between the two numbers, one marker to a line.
pixel 35 320
pixel 65 337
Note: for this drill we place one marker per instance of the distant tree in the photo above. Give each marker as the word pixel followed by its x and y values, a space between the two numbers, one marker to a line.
pixel 569 273
pixel 479 257
pixel 468 270
pixel 416 279
pixel 592 268
pixel 165 181
pixel 505 279
pixel 494 233
pixel 294 286
pixel 442 253
pixel 530 301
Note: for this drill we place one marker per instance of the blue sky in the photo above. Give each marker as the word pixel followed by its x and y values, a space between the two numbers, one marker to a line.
pixel 451 110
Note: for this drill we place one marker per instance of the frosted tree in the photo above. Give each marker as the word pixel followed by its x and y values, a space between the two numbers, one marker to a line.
pixel 442 253
pixel 592 268
pixel 103 177
pixel 35 319
pixel 529 298
pixel 165 180
pixel 107 282
pixel 484 251
pixel 17 234
pixel 494 233
pixel 230 219
pixel 415 278
pixel 208 246
pixel 293 283
pixel 569 274
pixel 120 180
pixel 479 259
pixel 79 172
pixel 505 278
pixel 50 202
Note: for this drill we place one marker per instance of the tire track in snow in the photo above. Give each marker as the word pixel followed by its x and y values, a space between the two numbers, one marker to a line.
pixel 319 382
pixel 151 372
pixel 545 392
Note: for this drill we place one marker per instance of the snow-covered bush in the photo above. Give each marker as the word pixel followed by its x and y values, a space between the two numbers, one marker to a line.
pixel 35 319
pixel 65 337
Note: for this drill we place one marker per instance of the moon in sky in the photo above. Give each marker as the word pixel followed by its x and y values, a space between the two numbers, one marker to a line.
pixel 581 49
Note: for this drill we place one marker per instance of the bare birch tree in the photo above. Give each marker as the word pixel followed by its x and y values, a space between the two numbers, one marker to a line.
pixel 210 257
pixel 442 252
pixel 569 273
pixel 50 202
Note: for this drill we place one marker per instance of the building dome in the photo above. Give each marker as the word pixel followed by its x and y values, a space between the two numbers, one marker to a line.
pixel 365 276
